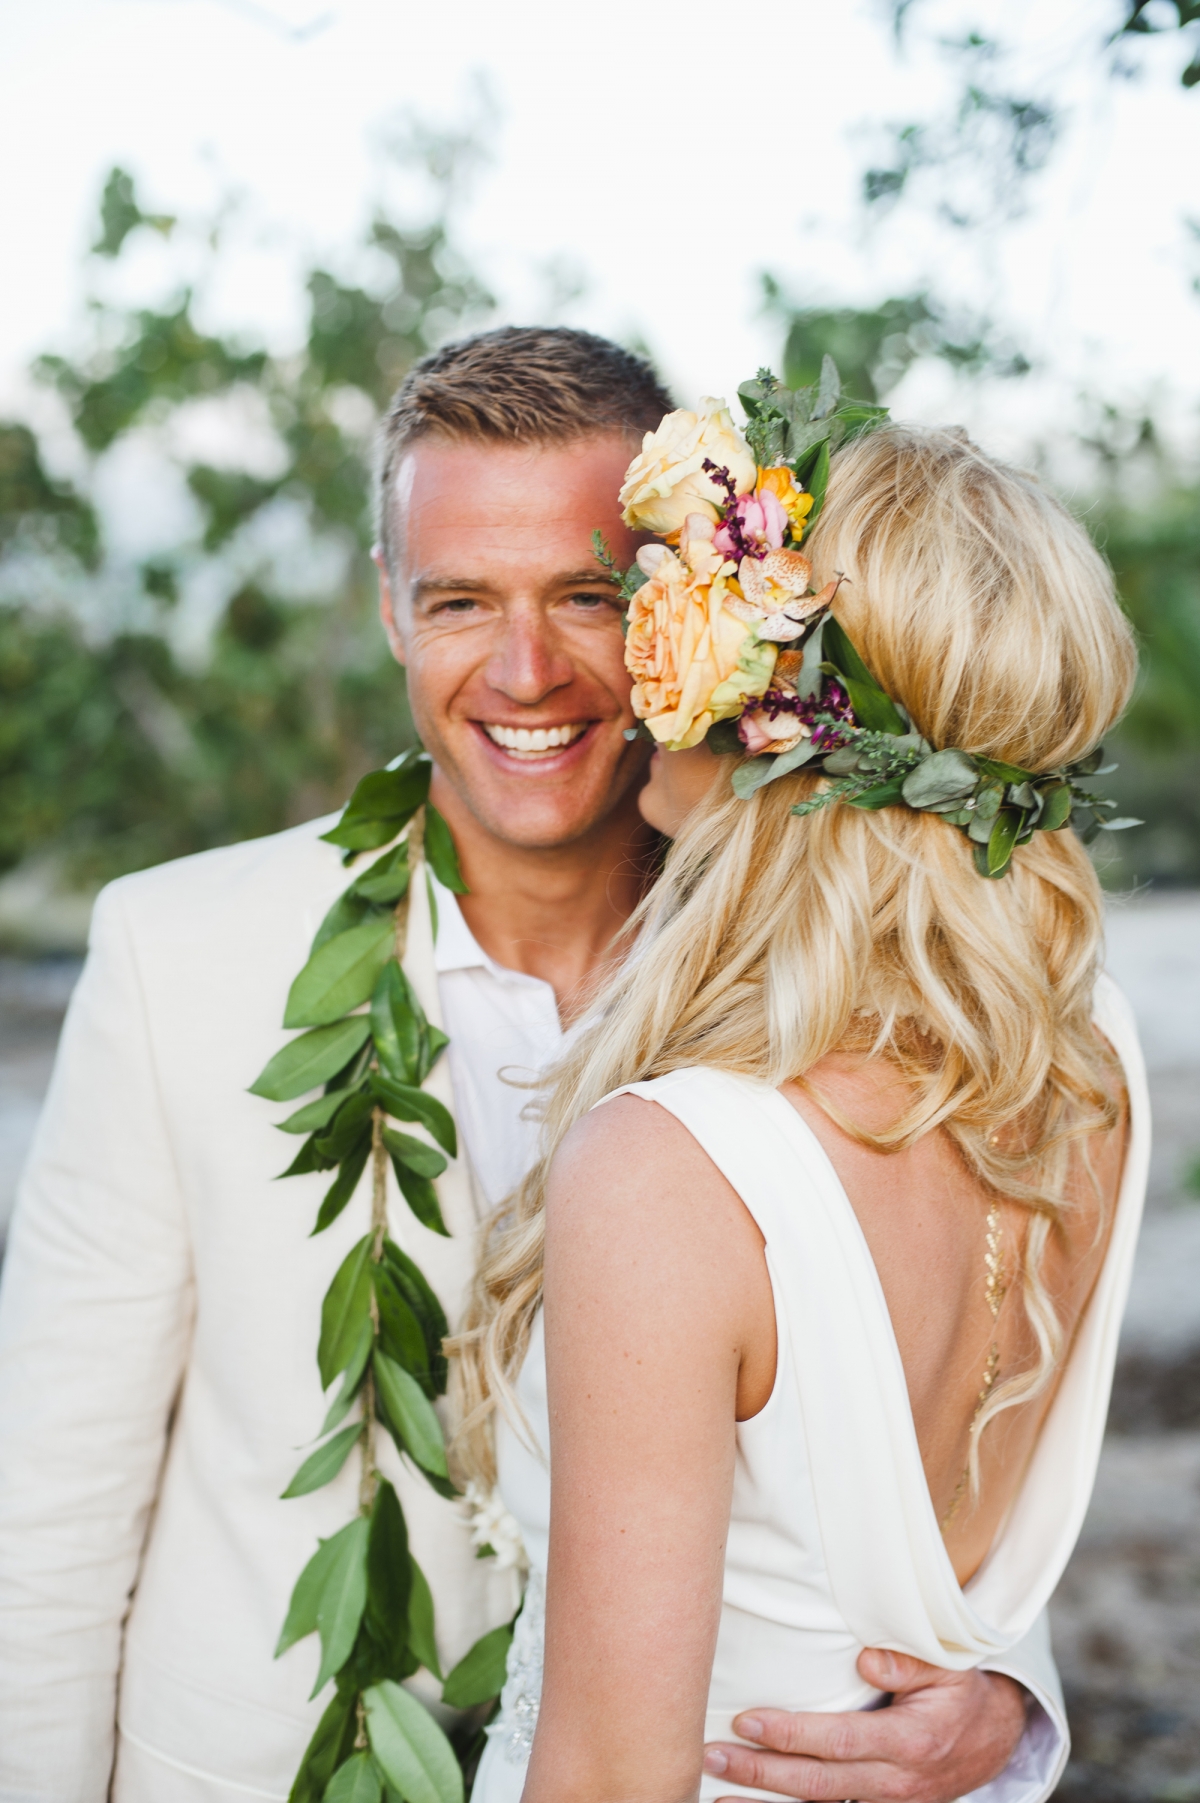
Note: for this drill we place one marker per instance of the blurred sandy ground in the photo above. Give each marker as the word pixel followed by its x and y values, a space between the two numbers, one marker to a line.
pixel 1127 1615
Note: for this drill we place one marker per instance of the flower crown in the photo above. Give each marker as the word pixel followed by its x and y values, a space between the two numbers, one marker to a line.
pixel 726 640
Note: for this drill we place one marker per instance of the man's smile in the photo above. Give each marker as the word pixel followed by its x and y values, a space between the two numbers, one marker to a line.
pixel 534 741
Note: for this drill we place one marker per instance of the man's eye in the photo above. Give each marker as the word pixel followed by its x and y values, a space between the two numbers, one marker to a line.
pixel 595 601
pixel 462 604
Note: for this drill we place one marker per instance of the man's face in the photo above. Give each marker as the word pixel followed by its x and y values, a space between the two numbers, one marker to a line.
pixel 510 633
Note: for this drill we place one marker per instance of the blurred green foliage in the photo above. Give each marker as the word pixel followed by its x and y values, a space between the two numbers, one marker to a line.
pixel 116 750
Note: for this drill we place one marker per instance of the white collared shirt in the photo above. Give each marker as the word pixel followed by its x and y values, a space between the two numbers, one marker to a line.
pixel 504 1032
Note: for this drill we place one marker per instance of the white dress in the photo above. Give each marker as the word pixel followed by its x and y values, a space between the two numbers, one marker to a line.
pixel 834 1544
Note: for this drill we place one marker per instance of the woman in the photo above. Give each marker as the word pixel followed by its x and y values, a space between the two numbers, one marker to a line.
pixel 817 1313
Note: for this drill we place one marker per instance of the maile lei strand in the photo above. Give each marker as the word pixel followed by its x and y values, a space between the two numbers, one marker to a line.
pixel 382 1327
pixel 726 640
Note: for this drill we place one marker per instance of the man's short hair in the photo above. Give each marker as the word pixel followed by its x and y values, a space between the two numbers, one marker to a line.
pixel 517 385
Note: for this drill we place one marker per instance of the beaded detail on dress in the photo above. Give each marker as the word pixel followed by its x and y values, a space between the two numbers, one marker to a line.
pixel 522 1694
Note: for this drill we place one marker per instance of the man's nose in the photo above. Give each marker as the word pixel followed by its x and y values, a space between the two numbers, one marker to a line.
pixel 529 661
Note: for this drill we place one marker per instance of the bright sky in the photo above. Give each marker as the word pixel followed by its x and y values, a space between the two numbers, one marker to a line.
pixel 666 150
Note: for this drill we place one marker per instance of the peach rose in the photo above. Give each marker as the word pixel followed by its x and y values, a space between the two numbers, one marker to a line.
pixel 692 661
pixel 667 480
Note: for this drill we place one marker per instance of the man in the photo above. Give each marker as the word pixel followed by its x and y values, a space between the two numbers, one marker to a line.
pixel 162 1296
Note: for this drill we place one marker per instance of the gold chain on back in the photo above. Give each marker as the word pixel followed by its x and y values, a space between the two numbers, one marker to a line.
pixel 995 1292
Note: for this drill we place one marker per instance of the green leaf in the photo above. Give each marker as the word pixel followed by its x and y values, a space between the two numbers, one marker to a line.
pixel 420 1619
pixel 315 1115
pixel 1003 837
pixel 411 1414
pixel 433 1044
pixel 406 1103
pixel 388 1575
pixel 944 776
pixel 748 778
pixel 433 907
pixel 342 1600
pixel 302 1610
pixel 881 795
pixel 345 1130
pixel 358 1781
pixel 829 388
pixel 816 486
pixel 346 1306
pixel 308 1158
pixel 341 974
pixel 424 1159
pixel 413 1752
pixel 1056 808
pixel 388 794
pixel 417 1189
pixel 440 852
pixel 324 1464
pixel 479 1674
pixel 400 1333
pixel 349 910
pixel 415 1289
pixel 396 1021
pixel 387 879
pixel 311 1059
pixel 332 1742
pixel 352 1378
pixel 364 835
pixel 344 1184
pixel 872 708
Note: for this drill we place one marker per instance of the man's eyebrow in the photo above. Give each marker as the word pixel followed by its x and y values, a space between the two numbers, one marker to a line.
pixel 444 585
pixel 597 573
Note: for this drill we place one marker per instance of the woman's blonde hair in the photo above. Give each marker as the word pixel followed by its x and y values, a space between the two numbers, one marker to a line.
pixel 770 941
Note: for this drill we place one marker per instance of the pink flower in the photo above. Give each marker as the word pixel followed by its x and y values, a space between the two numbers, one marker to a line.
pixel 759 731
pixel 757 525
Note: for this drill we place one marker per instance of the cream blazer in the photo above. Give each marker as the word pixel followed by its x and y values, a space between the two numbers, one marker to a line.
pixel 158 1329
pixel 158 1383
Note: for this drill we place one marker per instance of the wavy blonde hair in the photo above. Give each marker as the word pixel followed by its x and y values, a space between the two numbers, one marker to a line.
pixel 979 603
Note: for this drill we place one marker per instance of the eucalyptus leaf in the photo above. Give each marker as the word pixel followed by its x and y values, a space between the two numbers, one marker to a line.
pixel 942 777
pixel 881 795
pixel 342 1600
pixel 748 778
pixel 322 1466
pixel 346 1306
pixel 341 973
pixel 1056 808
pixel 843 762
pixel 411 1413
pixel 479 1675
pixel 829 388
pixel 358 1781
pixel 420 1619
pixel 411 1749
pixel 441 854
pixel 311 1059
pixel 1004 836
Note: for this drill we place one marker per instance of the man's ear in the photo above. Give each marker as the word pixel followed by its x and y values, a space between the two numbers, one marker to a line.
pixel 387 606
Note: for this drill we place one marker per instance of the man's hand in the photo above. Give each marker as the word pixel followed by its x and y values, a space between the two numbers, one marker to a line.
pixel 944 1735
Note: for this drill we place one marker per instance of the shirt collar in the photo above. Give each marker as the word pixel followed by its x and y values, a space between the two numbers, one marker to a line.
pixel 458 949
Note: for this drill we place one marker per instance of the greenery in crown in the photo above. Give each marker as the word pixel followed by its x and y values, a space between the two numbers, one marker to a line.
pixel 727 641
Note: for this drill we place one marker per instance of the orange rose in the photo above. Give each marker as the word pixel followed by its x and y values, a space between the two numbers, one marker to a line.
pixel 692 661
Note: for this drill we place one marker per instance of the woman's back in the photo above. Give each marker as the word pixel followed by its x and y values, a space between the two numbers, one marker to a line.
pixel 852 1274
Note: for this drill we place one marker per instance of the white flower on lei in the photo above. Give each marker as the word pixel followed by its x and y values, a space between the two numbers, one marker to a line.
pixel 492 1525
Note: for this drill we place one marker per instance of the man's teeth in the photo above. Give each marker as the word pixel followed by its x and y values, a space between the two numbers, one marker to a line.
pixel 534 741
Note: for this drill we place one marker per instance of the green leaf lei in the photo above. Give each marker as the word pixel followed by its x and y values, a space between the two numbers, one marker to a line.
pixel 881 761
pixel 382 1327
